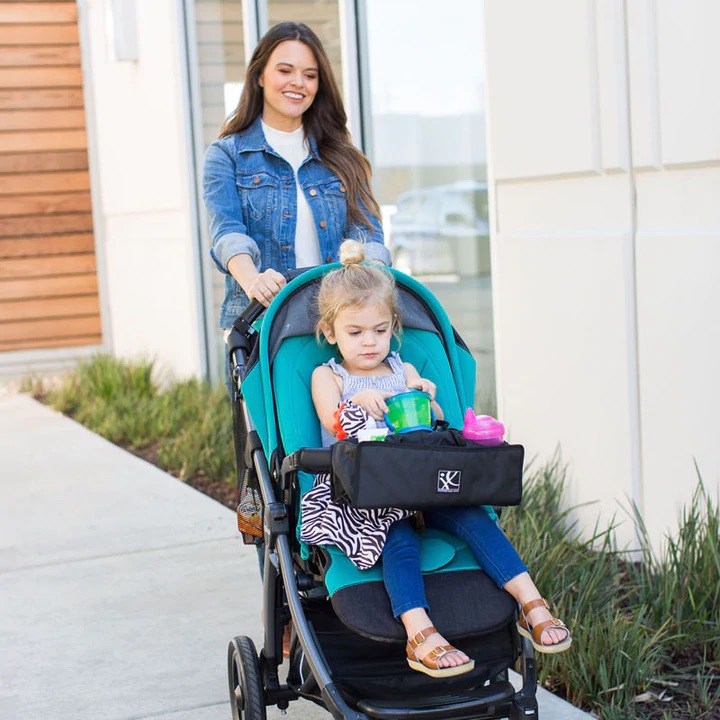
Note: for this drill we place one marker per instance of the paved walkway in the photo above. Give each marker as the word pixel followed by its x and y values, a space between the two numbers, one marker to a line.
pixel 120 587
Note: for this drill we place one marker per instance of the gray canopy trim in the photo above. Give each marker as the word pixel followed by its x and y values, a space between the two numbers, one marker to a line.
pixel 298 315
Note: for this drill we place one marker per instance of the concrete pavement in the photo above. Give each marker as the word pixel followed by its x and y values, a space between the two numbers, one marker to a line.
pixel 120 587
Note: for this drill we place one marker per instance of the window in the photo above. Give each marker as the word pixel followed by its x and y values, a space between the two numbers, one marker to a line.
pixel 424 114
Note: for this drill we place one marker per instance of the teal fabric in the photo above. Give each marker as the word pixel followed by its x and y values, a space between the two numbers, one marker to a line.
pixel 287 383
pixel 455 394
pixel 439 552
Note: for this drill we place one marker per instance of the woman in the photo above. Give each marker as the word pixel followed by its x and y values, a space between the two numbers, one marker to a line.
pixel 283 184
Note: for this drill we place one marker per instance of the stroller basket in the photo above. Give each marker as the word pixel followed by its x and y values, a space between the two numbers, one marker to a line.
pixel 418 476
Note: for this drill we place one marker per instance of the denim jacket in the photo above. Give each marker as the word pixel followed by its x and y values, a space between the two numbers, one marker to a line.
pixel 251 199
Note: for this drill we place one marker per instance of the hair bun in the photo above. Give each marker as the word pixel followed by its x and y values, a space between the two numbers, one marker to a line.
pixel 351 252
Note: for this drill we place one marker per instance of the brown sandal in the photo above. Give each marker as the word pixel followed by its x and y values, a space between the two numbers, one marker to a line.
pixel 534 633
pixel 429 664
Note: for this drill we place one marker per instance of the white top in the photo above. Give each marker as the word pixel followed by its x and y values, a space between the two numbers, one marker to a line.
pixel 293 147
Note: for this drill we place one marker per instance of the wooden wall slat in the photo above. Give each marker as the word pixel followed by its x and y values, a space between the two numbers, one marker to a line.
pixel 45 225
pixel 14 141
pixel 26 56
pixel 51 343
pixel 47 245
pixel 44 204
pixel 48 287
pixel 39 34
pixel 36 183
pixel 55 328
pixel 40 77
pixel 43 162
pixel 18 310
pixel 41 98
pixel 48 279
pixel 38 12
pixel 17 268
pixel 42 119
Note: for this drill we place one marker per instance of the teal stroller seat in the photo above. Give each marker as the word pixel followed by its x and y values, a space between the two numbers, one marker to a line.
pixel 347 651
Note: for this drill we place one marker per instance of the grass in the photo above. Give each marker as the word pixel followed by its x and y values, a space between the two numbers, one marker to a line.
pixel 646 628
pixel 644 631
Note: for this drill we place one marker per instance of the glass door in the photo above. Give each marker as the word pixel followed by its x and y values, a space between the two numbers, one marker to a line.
pixel 423 103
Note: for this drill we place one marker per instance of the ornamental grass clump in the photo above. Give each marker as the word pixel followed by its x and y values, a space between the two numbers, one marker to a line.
pixel 645 625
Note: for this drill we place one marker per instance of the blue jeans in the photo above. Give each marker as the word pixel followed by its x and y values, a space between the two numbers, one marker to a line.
pixel 401 554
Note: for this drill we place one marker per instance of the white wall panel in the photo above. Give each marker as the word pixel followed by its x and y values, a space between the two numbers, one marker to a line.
pixel 612 85
pixel 562 319
pixel 679 361
pixel 678 264
pixel 689 61
pixel 142 169
pixel 606 289
pixel 565 206
pixel 643 77
pixel 150 284
pixel 138 124
pixel 679 201
pixel 542 87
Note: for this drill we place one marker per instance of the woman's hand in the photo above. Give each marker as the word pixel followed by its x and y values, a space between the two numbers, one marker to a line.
pixel 263 286
pixel 373 401
pixel 266 286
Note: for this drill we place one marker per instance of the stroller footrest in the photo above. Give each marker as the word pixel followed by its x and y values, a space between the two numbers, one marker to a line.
pixel 478 703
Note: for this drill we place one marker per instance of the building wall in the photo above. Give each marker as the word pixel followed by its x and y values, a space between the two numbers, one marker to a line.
pixel 145 202
pixel 605 173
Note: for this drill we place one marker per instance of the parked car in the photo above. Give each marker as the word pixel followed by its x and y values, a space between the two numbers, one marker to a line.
pixel 442 229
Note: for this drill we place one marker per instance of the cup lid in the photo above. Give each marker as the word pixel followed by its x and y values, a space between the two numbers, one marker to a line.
pixel 484 427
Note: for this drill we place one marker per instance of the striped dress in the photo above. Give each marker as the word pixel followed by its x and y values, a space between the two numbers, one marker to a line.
pixel 360 534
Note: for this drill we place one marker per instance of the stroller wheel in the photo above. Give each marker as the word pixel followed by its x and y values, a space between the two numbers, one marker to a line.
pixel 247 699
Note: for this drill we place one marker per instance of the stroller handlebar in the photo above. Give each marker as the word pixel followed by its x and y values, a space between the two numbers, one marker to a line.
pixel 310 460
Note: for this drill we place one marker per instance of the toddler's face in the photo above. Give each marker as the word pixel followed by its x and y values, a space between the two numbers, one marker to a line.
pixel 363 336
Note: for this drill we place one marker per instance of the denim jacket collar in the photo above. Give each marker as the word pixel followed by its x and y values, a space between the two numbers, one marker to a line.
pixel 253 140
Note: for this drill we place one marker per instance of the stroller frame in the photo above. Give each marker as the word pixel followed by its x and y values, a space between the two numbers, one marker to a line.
pixel 254 678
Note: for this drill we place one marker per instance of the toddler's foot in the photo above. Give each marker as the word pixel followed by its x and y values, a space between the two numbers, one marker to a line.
pixel 430 653
pixel 547 634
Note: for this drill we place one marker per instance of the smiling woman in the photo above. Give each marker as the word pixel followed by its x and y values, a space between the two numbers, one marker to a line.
pixel 283 185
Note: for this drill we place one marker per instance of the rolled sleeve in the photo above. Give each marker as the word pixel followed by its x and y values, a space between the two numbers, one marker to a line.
pixel 234 244
pixel 227 230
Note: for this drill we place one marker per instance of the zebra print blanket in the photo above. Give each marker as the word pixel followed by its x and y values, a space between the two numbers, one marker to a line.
pixel 360 534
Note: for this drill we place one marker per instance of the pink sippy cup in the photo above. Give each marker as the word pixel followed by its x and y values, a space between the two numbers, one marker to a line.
pixel 482 429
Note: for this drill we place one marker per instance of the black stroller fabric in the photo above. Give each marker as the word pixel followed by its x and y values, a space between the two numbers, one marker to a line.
pixel 366 668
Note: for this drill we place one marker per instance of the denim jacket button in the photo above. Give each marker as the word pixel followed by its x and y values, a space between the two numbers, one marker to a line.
pixel 323 224
pixel 328 259
pixel 256 180
pixel 313 191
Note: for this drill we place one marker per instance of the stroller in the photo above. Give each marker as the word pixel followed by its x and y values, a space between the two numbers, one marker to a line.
pixel 346 651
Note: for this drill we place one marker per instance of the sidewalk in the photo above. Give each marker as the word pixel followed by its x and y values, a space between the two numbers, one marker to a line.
pixel 120 587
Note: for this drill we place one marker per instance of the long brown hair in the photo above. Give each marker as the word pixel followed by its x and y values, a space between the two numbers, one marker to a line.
pixel 325 120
